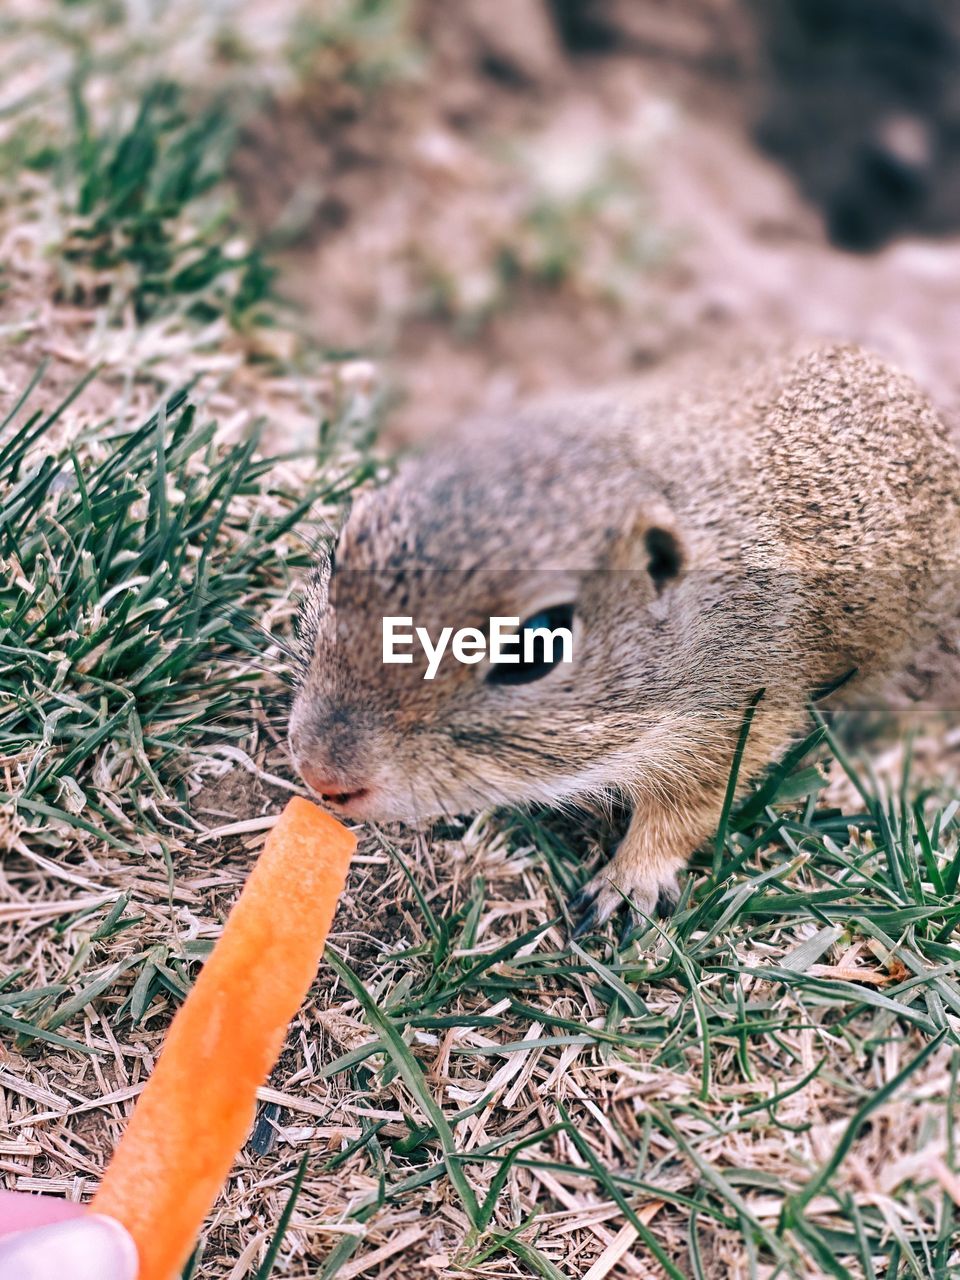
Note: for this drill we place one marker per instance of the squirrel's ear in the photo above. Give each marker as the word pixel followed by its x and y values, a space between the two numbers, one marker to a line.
pixel 665 555
pixel 653 545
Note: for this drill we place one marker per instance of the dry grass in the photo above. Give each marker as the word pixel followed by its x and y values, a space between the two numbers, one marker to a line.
pixel 767 1086
pixel 483 1008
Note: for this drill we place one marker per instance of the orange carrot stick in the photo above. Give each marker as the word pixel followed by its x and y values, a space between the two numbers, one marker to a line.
pixel 199 1104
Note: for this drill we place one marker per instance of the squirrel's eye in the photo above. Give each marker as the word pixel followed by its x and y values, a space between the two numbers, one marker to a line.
pixel 538 653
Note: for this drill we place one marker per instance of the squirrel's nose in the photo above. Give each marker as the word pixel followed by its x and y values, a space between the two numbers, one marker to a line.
pixel 334 790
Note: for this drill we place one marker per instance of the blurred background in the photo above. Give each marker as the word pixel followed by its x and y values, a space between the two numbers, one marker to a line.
pixel 488 200
pixel 513 198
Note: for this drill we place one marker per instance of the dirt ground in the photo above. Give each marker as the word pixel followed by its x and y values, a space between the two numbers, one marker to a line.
pixel 649 223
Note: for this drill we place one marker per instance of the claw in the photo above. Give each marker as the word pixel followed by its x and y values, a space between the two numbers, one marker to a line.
pixel 631 924
pixel 667 900
pixel 582 898
pixel 587 921
pixel 604 896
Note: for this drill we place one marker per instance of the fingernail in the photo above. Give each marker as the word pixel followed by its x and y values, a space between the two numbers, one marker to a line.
pixel 88 1248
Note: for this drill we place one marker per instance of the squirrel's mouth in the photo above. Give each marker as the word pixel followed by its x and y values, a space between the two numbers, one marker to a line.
pixel 328 785
pixel 344 799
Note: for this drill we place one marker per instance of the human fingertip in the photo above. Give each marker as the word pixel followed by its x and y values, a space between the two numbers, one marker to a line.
pixel 92 1247
pixel 124 1251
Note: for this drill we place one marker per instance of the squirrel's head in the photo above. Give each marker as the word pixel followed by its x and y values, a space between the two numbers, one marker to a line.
pixel 539 526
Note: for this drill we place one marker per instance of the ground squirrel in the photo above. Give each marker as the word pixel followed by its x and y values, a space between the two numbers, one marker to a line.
pixel 789 526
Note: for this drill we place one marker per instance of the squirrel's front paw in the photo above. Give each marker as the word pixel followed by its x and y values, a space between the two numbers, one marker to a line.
pixel 622 883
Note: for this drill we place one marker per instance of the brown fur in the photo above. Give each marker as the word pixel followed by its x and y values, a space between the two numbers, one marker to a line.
pixel 814 502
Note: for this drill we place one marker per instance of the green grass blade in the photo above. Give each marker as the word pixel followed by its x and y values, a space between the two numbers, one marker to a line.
pixel 266 1267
